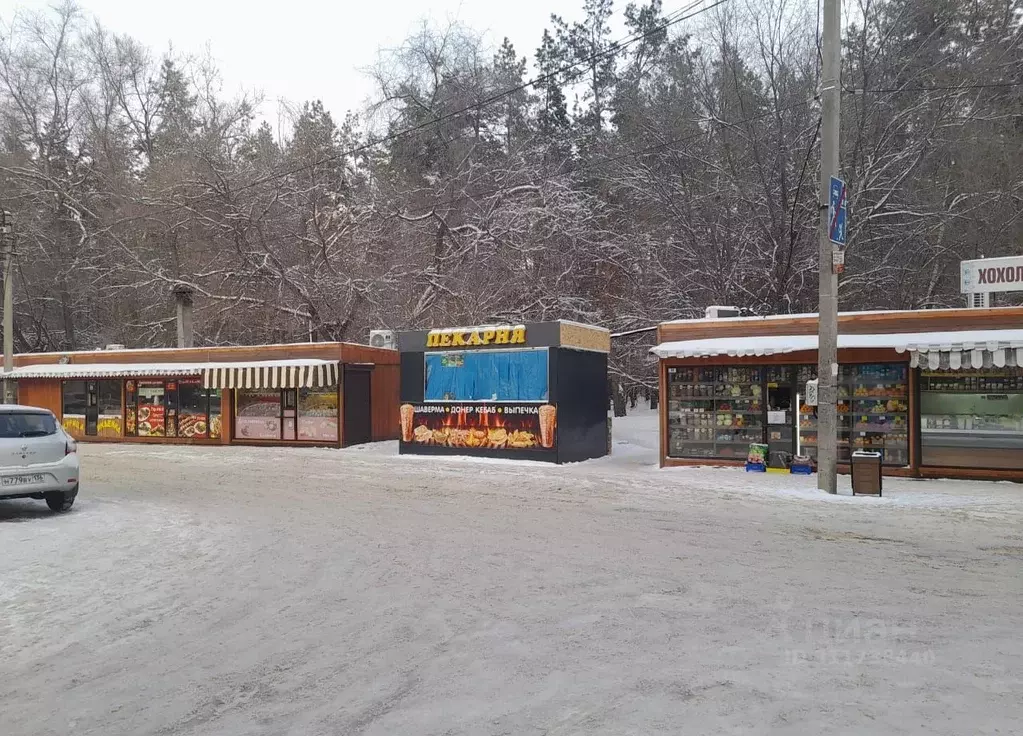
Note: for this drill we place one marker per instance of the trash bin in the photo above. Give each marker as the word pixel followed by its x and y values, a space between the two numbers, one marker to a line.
pixel 866 473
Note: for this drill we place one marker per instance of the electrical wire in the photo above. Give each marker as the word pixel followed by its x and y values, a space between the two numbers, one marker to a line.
pixel 597 163
pixel 935 88
pixel 613 49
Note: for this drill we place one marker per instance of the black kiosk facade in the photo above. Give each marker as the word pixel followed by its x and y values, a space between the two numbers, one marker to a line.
pixel 533 391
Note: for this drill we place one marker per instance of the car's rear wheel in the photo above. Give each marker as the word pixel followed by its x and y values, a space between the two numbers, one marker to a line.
pixel 61 501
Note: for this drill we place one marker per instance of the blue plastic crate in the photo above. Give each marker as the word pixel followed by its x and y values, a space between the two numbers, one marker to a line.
pixel 756 468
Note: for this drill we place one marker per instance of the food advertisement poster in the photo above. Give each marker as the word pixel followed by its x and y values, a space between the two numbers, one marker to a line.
pixel 151 420
pixel 480 426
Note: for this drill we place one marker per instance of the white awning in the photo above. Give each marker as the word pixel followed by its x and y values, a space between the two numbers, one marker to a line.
pixel 104 370
pixel 950 350
pixel 304 373
pixel 965 350
pixel 297 373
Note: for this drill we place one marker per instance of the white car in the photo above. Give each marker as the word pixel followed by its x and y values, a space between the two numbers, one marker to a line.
pixel 37 458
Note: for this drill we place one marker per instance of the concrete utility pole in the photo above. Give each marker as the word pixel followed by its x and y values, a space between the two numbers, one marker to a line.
pixel 183 302
pixel 827 356
pixel 7 237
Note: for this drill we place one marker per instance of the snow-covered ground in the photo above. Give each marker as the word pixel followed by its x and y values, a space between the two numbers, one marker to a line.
pixel 270 591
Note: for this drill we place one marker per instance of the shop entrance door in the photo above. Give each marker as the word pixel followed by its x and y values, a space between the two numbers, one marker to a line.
pixel 781 405
pixel 358 427
pixel 288 414
pixel 91 409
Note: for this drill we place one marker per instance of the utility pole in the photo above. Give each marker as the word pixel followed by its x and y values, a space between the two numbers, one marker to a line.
pixel 827 312
pixel 7 237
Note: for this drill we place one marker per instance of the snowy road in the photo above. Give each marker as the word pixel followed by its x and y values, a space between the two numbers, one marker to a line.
pixel 253 591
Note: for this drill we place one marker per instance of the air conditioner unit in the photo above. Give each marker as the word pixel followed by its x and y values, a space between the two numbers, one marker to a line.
pixel 978 300
pixel 722 312
pixel 382 339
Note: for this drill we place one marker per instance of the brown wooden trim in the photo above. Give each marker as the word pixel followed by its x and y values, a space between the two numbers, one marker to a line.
pixel 662 410
pixel 340 351
pixel 284 443
pixel 677 462
pixel 843 469
pixel 848 356
pixel 914 420
pixel 925 320
pixel 930 471
pixel 149 440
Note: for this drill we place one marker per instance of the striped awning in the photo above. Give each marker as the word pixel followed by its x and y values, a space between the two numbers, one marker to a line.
pixel 306 373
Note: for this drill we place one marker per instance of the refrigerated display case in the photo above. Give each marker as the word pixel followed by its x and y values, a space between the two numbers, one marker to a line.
pixel 972 420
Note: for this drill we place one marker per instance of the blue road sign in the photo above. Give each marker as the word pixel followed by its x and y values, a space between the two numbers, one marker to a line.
pixel 837 212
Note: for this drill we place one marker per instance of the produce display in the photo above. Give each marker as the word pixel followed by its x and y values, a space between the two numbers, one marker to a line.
pixel 873 413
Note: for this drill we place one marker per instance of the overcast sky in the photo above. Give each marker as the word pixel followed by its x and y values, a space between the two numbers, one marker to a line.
pixel 305 49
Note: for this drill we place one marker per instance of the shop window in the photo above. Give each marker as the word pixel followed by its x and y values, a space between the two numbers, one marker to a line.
pixel 152 412
pixel 714 412
pixel 972 418
pixel 74 403
pixel 258 414
pixel 873 413
pixel 487 375
pixel 193 409
pixel 216 425
pixel 108 402
pixel 318 414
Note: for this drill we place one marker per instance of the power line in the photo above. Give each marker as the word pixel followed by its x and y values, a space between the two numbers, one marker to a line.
pixel 597 163
pixel 614 49
pixel 932 88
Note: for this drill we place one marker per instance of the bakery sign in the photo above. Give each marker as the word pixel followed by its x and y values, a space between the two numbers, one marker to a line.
pixel 986 275
pixel 477 336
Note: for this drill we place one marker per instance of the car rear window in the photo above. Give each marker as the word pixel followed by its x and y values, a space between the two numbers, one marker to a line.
pixel 26 424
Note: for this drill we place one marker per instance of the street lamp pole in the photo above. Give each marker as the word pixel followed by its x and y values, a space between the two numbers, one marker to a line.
pixel 7 235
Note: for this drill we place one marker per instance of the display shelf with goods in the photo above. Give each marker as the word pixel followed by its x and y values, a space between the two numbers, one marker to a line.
pixel 714 412
pixel 972 418
pixel 875 404
pixel 873 413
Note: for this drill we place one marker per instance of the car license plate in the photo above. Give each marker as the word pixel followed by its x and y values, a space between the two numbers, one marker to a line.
pixel 21 480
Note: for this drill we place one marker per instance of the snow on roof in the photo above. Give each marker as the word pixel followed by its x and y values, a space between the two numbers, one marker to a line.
pixel 808 315
pixel 901 342
pixel 200 348
pixel 122 370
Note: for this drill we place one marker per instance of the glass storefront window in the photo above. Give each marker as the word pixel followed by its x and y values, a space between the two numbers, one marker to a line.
pixel 714 412
pixel 972 418
pixel 873 413
pixel 318 414
pixel 152 414
pixel 216 425
pixel 258 414
pixel 75 399
pixel 718 412
pixel 193 407
pixel 108 400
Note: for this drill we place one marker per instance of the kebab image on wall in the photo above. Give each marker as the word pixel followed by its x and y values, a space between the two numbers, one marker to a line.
pixel 483 427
